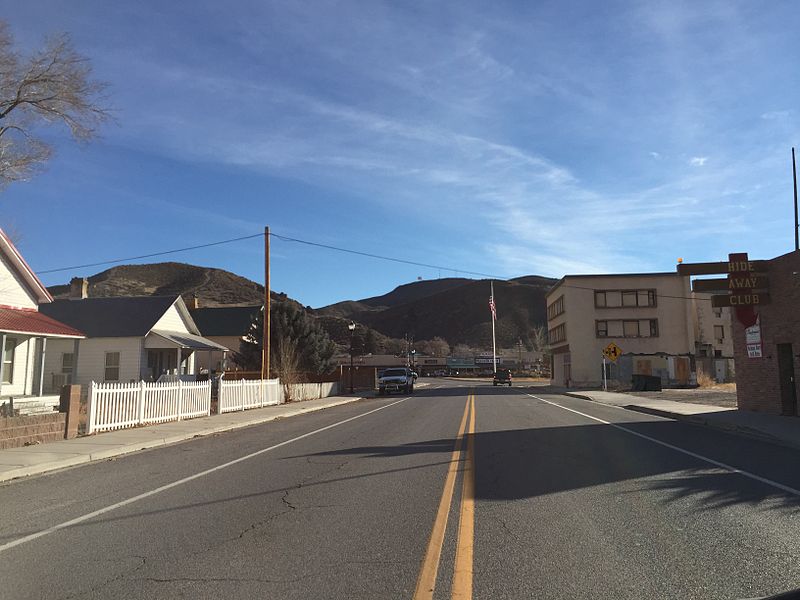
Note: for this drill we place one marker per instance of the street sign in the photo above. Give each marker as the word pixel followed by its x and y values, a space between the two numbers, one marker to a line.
pixel 750 299
pixel 732 284
pixel 752 340
pixel 612 352
pixel 721 268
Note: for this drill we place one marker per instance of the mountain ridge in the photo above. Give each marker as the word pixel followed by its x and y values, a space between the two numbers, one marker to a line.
pixel 455 309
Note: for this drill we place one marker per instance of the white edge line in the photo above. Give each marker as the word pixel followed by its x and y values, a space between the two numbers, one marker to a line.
pixel 711 461
pixel 163 488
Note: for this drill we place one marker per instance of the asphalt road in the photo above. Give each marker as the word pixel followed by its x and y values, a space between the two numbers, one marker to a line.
pixel 504 493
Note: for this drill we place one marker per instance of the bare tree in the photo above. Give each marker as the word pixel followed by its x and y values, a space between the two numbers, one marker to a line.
pixel 539 339
pixel 287 363
pixel 52 85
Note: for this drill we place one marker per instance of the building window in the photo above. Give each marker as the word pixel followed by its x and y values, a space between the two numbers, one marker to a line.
pixel 66 363
pixel 556 308
pixel 599 299
pixel 624 298
pixel 112 366
pixel 653 327
pixel 719 333
pixel 718 313
pixel 629 298
pixel 601 329
pixel 8 360
pixel 557 334
pixel 630 328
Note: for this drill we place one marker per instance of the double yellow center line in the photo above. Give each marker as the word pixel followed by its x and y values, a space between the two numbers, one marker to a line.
pixel 462 573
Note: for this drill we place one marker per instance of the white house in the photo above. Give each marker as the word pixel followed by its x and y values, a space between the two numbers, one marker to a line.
pixel 127 339
pixel 26 334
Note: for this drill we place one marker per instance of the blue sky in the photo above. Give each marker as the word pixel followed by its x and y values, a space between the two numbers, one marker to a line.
pixel 505 137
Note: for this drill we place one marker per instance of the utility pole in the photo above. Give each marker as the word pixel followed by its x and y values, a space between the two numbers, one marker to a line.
pixel 265 338
pixel 796 225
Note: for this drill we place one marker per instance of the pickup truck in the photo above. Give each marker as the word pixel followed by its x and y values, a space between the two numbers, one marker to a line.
pixel 396 380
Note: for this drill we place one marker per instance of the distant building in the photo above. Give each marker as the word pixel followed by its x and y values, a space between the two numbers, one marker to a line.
pixel 225 325
pixel 661 326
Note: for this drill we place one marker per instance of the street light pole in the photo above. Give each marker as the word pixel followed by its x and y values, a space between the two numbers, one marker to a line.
pixel 352 328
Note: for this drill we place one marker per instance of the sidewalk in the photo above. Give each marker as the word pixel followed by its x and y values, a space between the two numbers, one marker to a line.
pixel 32 460
pixel 772 428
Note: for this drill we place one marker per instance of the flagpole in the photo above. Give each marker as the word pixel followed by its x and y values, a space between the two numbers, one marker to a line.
pixel 494 344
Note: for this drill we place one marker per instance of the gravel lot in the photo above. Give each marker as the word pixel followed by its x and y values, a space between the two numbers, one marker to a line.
pixel 718 395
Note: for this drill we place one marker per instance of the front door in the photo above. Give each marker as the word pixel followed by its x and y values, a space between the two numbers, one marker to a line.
pixel 682 370
pixel 786 376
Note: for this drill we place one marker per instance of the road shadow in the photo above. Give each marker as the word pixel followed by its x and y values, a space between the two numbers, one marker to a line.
pixel 515 464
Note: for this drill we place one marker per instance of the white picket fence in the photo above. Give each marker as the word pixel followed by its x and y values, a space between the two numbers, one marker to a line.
pixel 121 405
pixel 249 393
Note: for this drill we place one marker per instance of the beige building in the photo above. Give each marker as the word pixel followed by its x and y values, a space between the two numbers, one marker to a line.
pixel 662 327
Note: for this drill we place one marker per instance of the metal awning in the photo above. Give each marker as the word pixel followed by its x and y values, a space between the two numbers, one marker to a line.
pixel 188 340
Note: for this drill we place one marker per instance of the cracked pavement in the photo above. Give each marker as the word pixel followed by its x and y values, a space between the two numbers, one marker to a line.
pixel 564 508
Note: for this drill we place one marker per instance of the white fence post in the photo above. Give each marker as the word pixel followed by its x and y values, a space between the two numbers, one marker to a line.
pixel 141 403
pixel 91 409
pixel 180 399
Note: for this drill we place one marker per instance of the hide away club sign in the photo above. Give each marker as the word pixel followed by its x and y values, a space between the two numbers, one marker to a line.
pixel 745 288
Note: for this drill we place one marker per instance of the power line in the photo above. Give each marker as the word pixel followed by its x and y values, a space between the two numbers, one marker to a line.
pixel 327 247
pixel 658 295
pixel 151 255
pixel 279 237
pixel 388 258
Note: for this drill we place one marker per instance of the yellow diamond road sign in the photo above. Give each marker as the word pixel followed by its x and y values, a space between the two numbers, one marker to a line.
pixel 612 352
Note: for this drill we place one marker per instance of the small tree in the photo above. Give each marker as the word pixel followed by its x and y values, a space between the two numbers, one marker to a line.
pixel 439 347
pixel 461 350
pixel 52 85
pixel 396 346
pixel 370 342
pixel 288 321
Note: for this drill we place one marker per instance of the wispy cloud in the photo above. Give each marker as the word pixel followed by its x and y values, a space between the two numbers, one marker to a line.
pixel 533 134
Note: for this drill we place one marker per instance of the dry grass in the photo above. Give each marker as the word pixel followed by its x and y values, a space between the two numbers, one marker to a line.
pixel 704 380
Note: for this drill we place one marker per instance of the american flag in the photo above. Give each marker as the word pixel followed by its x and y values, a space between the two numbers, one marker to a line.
pixel 493 308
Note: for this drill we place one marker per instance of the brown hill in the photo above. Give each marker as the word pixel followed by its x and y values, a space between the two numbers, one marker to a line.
pixel 460 312
pixel 402 294
pixel 214 287
pixel 455 309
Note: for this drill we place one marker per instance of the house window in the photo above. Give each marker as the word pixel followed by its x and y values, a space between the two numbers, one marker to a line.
pixel 8 360
pixel 719 333
pixel 718 313
pixel 600 299
pixel 630 328
pixel 112 366
pixel 66 363
pixel 601 329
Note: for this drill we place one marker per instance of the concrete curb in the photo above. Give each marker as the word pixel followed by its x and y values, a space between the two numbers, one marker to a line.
pixel 732 428
pixel 157 442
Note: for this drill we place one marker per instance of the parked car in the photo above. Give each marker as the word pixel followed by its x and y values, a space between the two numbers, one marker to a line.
pixel 502 377
pixel 396 380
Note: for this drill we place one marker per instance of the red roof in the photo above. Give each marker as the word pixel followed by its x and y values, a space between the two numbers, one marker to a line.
pixel 20 320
